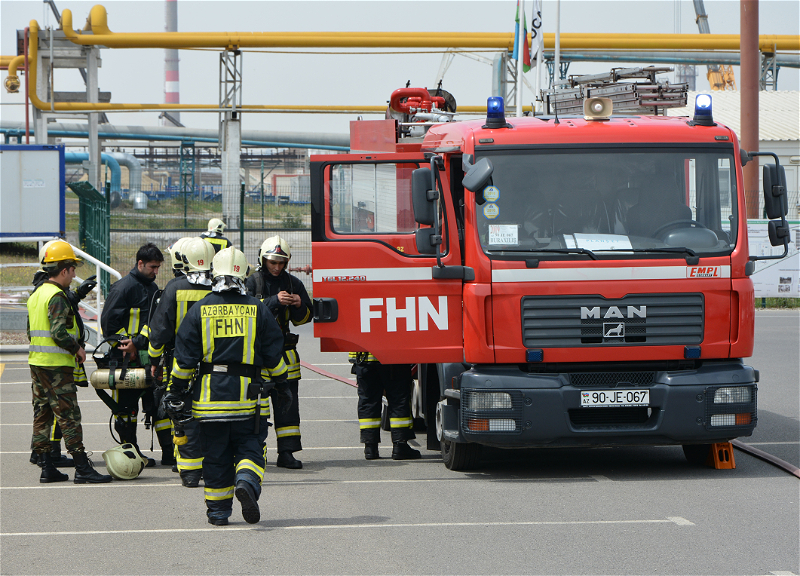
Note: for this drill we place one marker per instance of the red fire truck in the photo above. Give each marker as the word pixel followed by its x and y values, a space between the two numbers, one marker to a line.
pixel 559 282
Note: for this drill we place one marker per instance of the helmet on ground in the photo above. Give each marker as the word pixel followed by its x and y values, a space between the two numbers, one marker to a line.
pixel 124 462
pixel 175 254
pixel 216 225
pixel 230 262
pixel 276 249
pixel 197 255
pixel 58 254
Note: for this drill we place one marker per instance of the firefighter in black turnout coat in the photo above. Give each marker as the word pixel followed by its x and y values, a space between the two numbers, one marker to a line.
pixel 238 346
pixel 288 300
pixel 126 311
pixel 179 295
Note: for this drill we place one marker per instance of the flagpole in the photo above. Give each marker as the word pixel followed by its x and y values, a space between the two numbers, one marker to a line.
pixel 557 64
pixel 520 48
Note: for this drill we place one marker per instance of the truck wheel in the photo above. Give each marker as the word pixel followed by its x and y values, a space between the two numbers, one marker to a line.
pixel 460 456
pixel 696 454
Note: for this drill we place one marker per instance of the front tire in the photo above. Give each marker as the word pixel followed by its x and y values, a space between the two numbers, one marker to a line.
pixel 460 456
pixel 696 454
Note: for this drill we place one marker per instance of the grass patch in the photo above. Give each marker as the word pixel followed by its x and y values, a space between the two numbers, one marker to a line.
pixel 787 303
pixel 18 253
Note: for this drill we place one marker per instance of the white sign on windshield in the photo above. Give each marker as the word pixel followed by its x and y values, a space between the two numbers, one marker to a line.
pixel 503 234
pixel 597 241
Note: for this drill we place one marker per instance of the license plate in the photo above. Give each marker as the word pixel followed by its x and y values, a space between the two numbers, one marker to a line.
pixel 619 398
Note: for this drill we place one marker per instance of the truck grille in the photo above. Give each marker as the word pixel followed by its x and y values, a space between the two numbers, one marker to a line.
pixel 611 379
pixel 591 320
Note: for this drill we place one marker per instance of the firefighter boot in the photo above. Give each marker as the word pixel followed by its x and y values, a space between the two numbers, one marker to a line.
pixel 34 457
pixel 191 478
pixel 85 472
pixel 59 460
pixel 247 496
pixel 49 471
pixel 371 451
pixel 167 447
pixel 287 460
pixel 402 451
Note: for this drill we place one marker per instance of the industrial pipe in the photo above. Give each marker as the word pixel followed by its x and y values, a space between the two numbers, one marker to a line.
pixel 107 159
pixel 134 169
pixel 102 36
pixel 12 82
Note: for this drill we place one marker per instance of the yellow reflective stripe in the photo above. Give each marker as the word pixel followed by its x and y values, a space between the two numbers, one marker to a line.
pixel 249 341
pixel 49 350
pixel 183 298
pixel 79 374
pixel 401 422
pixel 189 463
pixel 208 339
pixel 287 431
pixel 165 424
pixel 53 431
pixel 225 405
pixel 145 331
pixel 183 373
pixel 244 383
pixel 205 388
pixel 133 320
pixel 41 333
pixel 370 357
pixel 304 320
pixel 278 369
pixel 369 422
pixel 218 493
pixel 250 465
pixel 154 352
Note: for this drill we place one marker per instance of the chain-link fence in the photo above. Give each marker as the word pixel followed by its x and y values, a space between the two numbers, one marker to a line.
pixel 163 215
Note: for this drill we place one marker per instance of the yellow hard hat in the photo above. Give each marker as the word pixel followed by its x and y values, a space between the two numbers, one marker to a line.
pixel 57 252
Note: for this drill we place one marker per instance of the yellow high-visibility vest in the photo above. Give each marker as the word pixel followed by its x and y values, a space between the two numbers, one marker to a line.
pixel 43 350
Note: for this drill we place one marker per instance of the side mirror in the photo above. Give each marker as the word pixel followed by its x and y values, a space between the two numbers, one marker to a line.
pixel 427 240
pixel 776 202
pixel 778 231
pixel 478 177
pixel 424 207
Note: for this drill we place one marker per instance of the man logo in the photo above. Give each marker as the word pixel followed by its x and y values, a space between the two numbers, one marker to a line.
pixel 613 312
pixel 613 330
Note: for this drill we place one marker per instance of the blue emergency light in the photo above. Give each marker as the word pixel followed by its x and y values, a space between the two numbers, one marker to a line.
pixel 495 112
pixel 702 111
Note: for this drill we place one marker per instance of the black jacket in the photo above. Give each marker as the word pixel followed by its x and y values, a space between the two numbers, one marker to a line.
pixel 127 308
pixel 270 286
pixel 177 298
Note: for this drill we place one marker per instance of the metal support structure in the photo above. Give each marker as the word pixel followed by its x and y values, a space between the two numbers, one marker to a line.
pixel 769 71
pixel 93 95
pixel 230 133
pixel 562 75
pixel 187 176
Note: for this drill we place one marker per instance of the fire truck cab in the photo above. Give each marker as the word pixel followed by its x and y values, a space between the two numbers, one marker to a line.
pixel 579 281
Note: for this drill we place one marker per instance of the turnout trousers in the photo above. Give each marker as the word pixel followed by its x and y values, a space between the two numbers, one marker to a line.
pixel 375 379
pixel 55 397
pixel 231 452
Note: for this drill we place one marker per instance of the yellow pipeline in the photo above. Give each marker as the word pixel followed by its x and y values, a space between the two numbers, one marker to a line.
pixel 12 82
pixel 102 36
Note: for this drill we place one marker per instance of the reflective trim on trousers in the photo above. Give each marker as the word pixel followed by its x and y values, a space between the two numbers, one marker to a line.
pixel 189 463
pixel 287 431
pixel 165 424
pixel 219 493
pixel 405 422
pixel 252 466
pixel 365 423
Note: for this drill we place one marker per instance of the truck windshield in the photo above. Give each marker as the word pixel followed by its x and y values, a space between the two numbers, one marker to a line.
pixel 572 201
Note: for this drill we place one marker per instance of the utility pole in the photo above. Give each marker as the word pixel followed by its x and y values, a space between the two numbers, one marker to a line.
pixel 750 74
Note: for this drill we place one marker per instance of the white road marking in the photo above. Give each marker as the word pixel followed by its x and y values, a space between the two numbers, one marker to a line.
pixel 356 527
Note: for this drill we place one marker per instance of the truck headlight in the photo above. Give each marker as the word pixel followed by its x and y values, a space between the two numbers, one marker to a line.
pixel 489 401
pixel 733 395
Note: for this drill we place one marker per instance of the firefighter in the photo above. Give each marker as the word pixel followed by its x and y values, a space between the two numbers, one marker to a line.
pixel 214 234
pixel 174 250
pixel 126 313
pixel 54 353
pixel 238 345
pixel 374 379
pixel 178 297
pixel 74 297
pixel 287 299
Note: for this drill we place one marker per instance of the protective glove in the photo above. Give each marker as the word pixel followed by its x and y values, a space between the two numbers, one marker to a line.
pixel 86 287
pixel 281 396
pixel 178 406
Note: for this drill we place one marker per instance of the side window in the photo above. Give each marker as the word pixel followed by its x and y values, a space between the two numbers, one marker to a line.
pixel 371 198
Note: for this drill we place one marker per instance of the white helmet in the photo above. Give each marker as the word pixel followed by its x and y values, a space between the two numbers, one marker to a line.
pixel 276 249
pixel 230 262
pixel 124 462
pixel 176 254
pixel 216 225
pixel 197 255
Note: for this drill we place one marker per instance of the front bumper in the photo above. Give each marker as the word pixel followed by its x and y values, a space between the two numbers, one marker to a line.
pixel 545 409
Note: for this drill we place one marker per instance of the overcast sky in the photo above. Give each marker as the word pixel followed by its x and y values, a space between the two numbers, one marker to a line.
pixel 349 79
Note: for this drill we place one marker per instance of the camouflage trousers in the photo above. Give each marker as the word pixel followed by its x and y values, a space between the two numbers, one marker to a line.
pixel 55 395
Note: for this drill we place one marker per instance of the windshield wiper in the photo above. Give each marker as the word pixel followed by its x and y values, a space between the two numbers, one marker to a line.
pixel 589 253
pixel 691 255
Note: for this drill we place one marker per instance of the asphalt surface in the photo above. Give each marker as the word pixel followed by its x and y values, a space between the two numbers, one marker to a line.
pixel 641 510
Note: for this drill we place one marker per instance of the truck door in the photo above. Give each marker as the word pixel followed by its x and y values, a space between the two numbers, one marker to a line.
pixel 373 290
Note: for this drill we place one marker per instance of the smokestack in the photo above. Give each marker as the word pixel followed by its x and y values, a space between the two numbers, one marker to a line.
pixel 172 92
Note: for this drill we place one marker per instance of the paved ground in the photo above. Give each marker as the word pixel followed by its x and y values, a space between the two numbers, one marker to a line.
pixel 602 511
